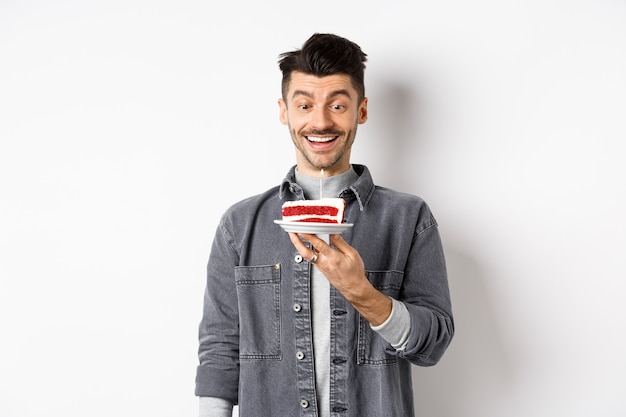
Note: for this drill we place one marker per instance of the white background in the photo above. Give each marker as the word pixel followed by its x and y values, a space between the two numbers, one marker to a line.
pixel 127 127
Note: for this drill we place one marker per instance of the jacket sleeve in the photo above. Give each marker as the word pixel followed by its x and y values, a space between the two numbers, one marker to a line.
pixel 426 295
pixel 217 374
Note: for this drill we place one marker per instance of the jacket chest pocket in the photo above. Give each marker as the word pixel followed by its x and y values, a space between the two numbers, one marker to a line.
pixel 258 292
pixel 372 347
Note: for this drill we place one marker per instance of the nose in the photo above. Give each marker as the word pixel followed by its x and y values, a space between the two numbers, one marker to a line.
pixel 321 118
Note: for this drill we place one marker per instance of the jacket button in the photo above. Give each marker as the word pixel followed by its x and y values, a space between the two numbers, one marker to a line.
pixel 298 258
pixel 304 403
pixel 300 355
pixel 297 307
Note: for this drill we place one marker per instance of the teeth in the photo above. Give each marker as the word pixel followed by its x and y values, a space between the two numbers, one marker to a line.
pixel 320 139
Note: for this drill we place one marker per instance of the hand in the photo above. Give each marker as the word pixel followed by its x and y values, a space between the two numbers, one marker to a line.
pixel 342 264
pixel 344 268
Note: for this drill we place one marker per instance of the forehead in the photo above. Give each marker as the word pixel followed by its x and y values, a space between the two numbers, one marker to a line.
pixel 320 87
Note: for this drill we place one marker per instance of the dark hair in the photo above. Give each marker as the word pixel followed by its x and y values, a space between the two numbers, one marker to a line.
pixel 322 55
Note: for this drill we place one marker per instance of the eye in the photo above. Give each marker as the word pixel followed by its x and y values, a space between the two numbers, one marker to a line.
pixel 304 106
pixel 338 107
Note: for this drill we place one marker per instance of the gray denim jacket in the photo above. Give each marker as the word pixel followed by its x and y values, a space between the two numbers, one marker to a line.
pixel 256 332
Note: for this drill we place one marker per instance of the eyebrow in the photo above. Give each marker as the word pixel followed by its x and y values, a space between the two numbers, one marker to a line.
pixel 331 96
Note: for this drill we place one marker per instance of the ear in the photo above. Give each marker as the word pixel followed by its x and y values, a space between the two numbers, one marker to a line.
pixel 363 111
pixel 283 111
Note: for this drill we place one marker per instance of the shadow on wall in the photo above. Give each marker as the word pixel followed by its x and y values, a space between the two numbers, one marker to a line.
pixel 476 367
pixel 392 119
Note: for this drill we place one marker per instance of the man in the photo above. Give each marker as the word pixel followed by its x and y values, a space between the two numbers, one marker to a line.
pixel 306 325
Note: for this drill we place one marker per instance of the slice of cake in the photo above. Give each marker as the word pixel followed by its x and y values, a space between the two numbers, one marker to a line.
pixel 325 210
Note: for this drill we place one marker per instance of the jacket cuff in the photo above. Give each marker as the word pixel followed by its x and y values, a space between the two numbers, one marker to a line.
pixel 215 382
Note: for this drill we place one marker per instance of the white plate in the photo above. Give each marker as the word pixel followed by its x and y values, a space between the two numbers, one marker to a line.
pixel 314 228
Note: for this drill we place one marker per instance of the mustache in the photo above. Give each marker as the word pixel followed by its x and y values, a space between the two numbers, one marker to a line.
pixel 324 132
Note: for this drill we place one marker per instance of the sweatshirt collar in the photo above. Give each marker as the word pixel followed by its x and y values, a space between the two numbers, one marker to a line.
pixel 361 190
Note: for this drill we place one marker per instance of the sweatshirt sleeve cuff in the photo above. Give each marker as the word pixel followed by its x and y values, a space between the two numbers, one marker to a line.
pixel 395 330
pixel 215 407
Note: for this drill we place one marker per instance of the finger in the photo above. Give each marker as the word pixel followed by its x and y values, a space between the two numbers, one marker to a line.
pixel 302 249
pixel 340 244
pixel 318 244
pixel 297 243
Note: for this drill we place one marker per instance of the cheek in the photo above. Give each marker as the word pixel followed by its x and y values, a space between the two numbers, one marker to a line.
pixel 294 122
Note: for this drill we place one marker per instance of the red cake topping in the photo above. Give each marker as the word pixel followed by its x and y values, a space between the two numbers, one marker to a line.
pixel 325 210
pixel 310 210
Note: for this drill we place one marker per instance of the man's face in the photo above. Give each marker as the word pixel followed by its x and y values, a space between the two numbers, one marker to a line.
pixel 322 114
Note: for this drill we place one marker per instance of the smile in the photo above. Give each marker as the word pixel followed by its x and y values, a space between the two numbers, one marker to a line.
pixel 321 139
